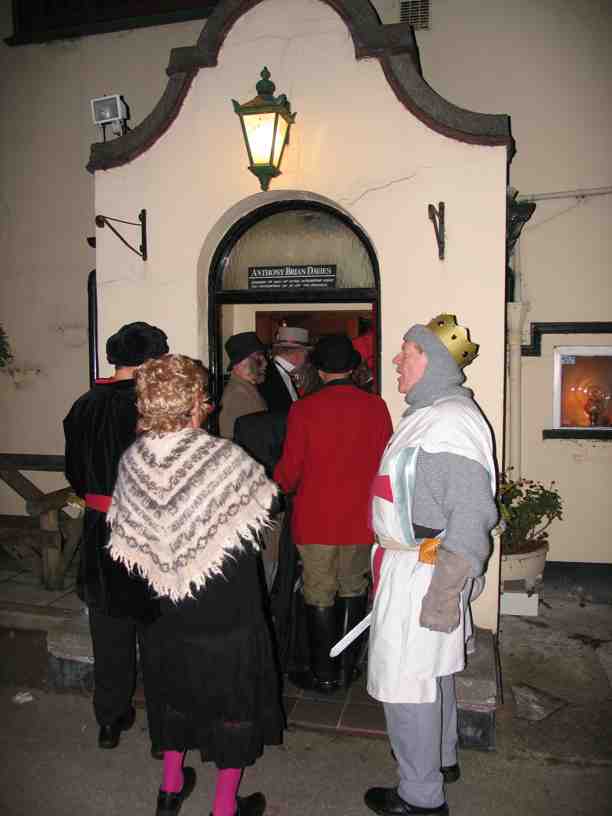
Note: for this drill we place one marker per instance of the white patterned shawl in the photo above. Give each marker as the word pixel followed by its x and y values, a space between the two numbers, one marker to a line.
pixel 182 504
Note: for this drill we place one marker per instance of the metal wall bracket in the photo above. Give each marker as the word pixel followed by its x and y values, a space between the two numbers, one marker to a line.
pixel 104 221
pixel 437 219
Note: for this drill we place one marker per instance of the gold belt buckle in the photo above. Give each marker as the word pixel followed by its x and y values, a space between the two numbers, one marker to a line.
pixel 428 551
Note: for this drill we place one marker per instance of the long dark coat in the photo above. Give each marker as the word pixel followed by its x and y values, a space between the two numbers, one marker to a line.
pixel 214 669
pixel 274 390
pixel 98 428
pixel 262 436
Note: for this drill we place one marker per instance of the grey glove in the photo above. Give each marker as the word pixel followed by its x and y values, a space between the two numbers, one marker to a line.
pixel 440 610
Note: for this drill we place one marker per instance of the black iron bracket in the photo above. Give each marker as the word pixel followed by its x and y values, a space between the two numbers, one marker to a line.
pixel 104 221
pixel 437 219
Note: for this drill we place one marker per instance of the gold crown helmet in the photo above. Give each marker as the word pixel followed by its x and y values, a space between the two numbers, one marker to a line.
pixel 455 338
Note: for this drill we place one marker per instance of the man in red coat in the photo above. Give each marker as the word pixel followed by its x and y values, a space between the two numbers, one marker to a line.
pixel 334 443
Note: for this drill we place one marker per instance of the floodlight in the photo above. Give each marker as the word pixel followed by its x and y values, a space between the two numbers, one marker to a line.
pixel 110 110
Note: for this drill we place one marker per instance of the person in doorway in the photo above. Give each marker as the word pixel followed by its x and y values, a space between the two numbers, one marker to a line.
pixel 99 427
pixel 247 366
pixel 185 512
pixel 433 509
pixel 335 438
pixel 364 344
pixel 289 353
pixel 241 397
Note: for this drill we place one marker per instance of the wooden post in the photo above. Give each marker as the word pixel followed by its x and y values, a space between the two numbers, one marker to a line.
pixel 53 565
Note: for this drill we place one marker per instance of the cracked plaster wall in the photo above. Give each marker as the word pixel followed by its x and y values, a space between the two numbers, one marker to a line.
pixel 354 144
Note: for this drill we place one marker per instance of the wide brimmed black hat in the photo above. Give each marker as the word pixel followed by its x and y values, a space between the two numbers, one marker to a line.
pixel 134 343
pixel 334 354
pixel 240 346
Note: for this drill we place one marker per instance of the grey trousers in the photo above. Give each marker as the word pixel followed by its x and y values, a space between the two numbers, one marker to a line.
pixel 424 738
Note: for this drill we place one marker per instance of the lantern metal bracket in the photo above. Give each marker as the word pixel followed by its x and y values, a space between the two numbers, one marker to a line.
pixel 104 221
pixel 437 219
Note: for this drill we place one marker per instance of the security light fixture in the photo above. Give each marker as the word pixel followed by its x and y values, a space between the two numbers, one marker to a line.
pixel 265 121
pixel 110 110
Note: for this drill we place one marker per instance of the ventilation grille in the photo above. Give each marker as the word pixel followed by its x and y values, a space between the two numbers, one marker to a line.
pixel 415 12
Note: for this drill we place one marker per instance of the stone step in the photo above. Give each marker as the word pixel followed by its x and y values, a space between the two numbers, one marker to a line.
pixel 60 658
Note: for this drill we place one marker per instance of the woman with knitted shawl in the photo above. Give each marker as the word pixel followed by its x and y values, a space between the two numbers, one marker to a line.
pixel 185 514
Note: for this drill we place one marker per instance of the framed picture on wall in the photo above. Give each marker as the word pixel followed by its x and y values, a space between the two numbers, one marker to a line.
pixel 582 388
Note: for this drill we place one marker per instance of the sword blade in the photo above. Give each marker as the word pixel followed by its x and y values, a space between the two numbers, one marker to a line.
pixel 350 636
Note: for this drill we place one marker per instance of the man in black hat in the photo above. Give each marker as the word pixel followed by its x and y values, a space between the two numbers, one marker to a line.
pixel 289 352
pixel 334 443
pixel 99 427
pixel 247 366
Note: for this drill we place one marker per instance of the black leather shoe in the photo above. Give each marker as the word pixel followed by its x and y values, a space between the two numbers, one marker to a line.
pixel 303 679
pixel 387 802
pixel 169 804
pixel 309 682
pixel 109 735
pixel 451 773
pixel 253 805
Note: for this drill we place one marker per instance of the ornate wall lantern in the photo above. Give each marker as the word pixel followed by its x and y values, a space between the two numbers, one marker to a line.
pixel 265 121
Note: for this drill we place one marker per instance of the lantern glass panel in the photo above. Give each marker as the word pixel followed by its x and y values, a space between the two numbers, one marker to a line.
pixel 281 135
pixel 260 132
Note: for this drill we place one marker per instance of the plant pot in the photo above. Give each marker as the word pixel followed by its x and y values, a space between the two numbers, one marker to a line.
pixel 527 567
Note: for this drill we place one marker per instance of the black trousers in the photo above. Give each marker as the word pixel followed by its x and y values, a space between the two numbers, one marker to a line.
pixel 115 669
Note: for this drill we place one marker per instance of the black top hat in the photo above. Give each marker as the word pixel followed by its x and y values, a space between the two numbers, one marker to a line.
pixel 240 346
pixel 334 354
pixel 134 343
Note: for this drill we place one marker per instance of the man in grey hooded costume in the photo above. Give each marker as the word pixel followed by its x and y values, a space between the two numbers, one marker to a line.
pixel 433 508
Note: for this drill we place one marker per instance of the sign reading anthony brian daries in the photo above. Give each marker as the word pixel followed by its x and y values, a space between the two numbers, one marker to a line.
pixel 302 276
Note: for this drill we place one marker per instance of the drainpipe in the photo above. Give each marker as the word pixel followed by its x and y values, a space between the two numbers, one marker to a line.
pixel 585 192
pixel 515 318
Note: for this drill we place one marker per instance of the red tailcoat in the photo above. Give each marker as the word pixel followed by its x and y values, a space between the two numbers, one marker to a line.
pixel 334 443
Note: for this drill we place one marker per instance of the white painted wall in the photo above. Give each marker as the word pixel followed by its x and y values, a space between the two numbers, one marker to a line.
pixel 47 211
pixel 354 156
pixel 549 65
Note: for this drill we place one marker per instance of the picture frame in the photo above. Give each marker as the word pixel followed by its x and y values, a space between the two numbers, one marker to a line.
pixel 582 389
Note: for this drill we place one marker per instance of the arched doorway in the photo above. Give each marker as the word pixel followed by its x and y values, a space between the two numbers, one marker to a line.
pixel 291 257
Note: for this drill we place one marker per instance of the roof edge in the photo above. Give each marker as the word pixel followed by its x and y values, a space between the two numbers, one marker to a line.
pixel 393 45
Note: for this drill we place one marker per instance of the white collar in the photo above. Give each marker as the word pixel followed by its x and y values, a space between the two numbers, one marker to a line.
pixel 284 364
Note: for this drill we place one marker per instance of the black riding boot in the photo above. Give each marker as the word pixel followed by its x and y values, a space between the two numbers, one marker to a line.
pixel 323 633
pixel 349 612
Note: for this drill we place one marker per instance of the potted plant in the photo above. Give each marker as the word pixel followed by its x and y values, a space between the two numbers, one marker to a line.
pixel 5 349
pixel 527 508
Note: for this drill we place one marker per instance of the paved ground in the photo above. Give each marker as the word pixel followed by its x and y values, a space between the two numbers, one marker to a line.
pixel 561 764
pixel 51 766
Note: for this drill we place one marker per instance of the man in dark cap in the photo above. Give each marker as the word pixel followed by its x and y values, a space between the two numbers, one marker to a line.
pixel 247 366
pixel 99 427
pixel 335 439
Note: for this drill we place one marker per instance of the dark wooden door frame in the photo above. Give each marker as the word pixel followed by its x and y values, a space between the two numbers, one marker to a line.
pixel 218 297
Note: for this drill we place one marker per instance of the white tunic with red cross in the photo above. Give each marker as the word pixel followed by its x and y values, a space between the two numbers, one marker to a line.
pixel 404 658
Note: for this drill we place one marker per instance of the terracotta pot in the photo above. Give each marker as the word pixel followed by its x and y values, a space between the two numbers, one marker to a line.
pixel 527 567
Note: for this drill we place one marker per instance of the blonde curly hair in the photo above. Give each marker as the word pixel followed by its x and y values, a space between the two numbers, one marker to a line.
pixel 167 388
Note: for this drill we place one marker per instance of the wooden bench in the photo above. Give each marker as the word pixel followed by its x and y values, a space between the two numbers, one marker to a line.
pixel 50 532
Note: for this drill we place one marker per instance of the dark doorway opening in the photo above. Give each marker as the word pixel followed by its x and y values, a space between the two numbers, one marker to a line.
pixel 292 232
